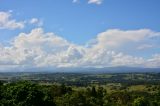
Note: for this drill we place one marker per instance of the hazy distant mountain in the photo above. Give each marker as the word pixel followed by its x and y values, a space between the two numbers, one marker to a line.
pixel 111 70
pixel 88 70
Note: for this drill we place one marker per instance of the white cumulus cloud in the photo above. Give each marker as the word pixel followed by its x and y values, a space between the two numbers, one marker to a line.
pixel 127 41
pixel 36 21
pixel 98 2
pixel 6 22
pixel 75 1
pixel 41 49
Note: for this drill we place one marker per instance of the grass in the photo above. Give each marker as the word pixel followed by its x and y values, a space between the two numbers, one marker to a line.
pixel 137 88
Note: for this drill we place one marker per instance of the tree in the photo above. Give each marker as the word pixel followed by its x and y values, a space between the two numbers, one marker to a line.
pixel 24 94
pixel 93 92
pixel 140 101
pixel 57 91
pixel 74 99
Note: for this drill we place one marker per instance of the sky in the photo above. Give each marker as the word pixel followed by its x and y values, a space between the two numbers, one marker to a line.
pixel 79 33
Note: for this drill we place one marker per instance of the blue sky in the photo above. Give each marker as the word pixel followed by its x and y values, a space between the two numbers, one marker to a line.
pixel 87 22
pixel 80 22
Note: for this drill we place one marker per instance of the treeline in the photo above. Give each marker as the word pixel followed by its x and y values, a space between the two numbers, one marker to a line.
pixel 32 94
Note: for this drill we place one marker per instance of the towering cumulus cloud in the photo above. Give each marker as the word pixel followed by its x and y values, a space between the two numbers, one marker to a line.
pixel 40 49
